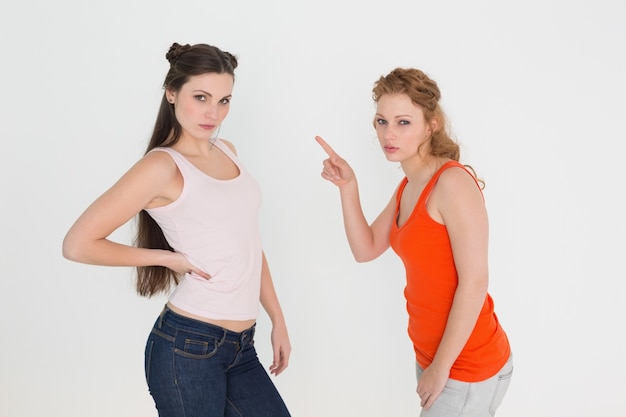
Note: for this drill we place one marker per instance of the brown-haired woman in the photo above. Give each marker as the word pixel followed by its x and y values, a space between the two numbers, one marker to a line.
pixel 436 222
pixel 198 231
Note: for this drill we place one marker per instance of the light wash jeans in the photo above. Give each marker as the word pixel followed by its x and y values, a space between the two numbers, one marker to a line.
pixel 471 399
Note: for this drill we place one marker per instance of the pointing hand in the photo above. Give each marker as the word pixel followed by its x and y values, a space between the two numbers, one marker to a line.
pixel 336 169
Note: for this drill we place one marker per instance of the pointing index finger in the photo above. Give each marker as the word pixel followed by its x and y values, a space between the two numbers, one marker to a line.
pixel 326 147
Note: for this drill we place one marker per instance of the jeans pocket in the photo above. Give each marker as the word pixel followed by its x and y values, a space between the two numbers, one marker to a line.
pixel 195 346
pixel 501 388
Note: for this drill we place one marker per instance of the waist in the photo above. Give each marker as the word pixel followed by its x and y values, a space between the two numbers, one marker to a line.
pixel 232 304
pixel 236 326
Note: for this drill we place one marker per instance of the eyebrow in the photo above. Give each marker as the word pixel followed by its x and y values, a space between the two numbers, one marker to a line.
pixel 209 94
pixel 396 117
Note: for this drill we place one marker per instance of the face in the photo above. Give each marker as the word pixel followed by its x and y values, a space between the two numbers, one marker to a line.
pixel 401 127
pixel 202 103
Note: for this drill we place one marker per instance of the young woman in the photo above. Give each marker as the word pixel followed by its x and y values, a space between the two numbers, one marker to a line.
pixel 436 222
pixel 198 231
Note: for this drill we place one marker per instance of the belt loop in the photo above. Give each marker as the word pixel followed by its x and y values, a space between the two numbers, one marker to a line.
pixel 165 310
pixel 247 336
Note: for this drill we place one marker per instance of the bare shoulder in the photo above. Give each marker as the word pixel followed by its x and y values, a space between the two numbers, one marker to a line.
pixel 230 145
pixel 455 179
pixel 456 198
pixel 457 188
pixel 154 180
pixel 157 163
pixel 149 174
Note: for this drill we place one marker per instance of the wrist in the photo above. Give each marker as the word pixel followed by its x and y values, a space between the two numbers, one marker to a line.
pixel 165 258
pixel 441 366
pixel 348 185
pixel 278 321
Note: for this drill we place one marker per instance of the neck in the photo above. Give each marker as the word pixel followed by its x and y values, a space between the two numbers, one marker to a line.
pixel 194 146
pixel 419 169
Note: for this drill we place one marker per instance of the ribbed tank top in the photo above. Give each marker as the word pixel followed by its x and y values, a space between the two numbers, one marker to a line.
pixel 214 224
pixel 431 280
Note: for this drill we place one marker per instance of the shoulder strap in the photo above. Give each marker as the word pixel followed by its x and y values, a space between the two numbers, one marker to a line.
pixel 433 181
pixel 403 184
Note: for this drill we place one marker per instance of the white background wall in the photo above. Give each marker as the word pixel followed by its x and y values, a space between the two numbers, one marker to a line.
pixel 535 94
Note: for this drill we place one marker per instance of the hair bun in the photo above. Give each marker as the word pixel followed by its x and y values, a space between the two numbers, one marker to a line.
pixel 175 51
pixel 231 58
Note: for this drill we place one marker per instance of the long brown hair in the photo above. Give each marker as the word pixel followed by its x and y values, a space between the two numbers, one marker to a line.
pixel 423 92
pixel 185 61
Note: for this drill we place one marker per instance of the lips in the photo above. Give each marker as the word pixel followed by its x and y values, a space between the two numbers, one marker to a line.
pixel 207 127
pixel 390 149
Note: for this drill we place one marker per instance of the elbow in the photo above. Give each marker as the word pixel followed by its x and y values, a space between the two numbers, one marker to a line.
pixel 68 251
pixel 365 255
pixel 71 250
pixel 478 286
pixel 362 258
pixel 364 251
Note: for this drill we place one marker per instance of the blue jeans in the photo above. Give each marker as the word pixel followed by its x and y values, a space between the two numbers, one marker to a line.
pixel 471 399
pixel 197 369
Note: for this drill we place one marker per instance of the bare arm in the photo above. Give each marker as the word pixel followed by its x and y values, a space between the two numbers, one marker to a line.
pixel 462 208
pixel 280 338
pixel 150 180
pixel 367 242
pixel 281 345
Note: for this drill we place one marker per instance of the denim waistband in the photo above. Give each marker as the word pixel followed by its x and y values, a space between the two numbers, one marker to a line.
pixel 175 321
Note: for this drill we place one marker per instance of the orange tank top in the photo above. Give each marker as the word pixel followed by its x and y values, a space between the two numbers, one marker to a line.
pixel 431 280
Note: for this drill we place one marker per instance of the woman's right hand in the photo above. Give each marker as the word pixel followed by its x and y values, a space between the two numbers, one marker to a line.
pixel 367 242
pixel 336 169
pixel 178 263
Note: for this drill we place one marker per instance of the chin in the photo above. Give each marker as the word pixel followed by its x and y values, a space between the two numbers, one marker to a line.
pixel 392 157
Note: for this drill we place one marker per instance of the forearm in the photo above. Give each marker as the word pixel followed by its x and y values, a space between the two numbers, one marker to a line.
pixel 108 253
pixel 358 231
pixel 269 299
pixel 466 307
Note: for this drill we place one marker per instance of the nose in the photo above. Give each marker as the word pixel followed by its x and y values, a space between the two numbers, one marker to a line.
pixel 388 133
pixel 211 112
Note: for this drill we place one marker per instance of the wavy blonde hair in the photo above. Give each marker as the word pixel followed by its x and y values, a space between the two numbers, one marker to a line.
pixel 423 92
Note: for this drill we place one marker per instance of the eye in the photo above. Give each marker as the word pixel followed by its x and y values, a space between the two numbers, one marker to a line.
pixel 200 97
pixel 404 122
pixel 225 101
pixel 381 121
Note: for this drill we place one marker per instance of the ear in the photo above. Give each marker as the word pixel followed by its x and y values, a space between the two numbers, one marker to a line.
pixel 170 96
pixel 434 125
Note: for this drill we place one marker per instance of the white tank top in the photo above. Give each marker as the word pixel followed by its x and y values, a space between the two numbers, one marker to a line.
pixel 214 224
